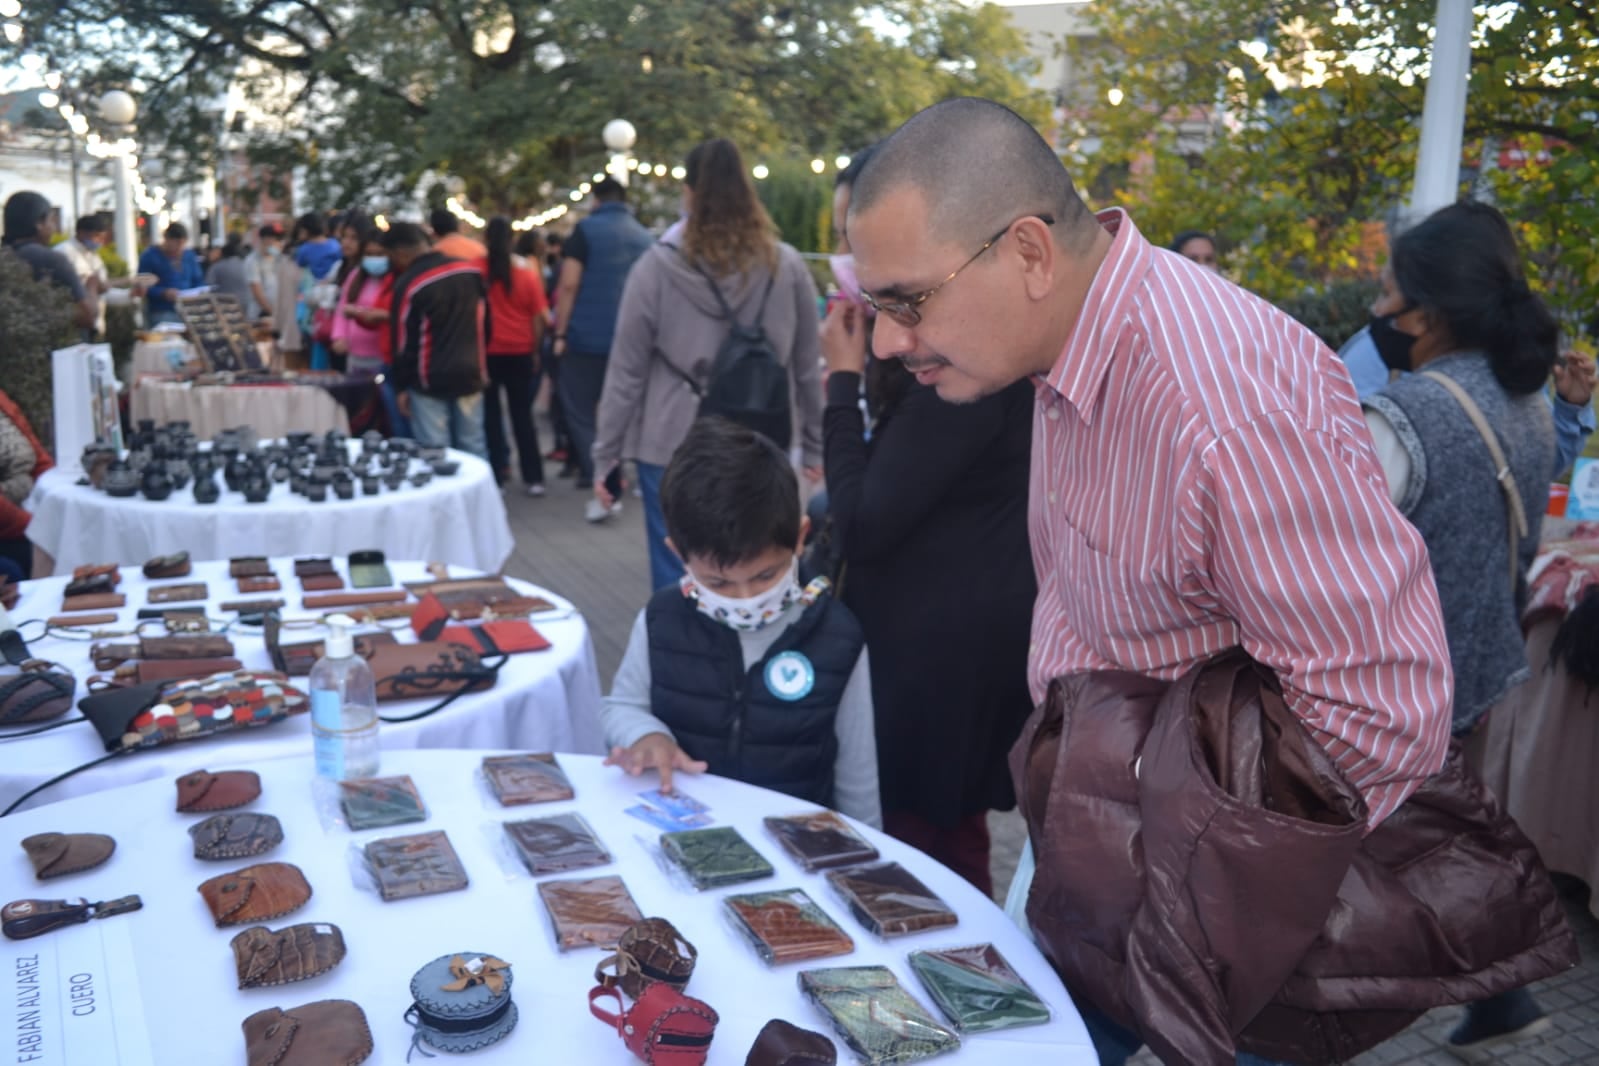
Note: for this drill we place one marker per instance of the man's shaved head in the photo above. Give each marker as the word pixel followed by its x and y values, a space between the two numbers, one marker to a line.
pixel 976 164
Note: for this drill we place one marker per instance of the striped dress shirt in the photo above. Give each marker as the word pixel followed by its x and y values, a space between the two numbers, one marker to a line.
pixel 1203 479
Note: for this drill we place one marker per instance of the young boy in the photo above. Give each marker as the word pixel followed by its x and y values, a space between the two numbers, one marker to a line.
pixel 739 670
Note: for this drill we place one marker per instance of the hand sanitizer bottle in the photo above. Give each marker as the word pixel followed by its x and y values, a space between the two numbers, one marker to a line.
pixel 344 708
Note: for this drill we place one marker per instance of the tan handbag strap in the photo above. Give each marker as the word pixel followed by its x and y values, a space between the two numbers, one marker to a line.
pixel 1515 512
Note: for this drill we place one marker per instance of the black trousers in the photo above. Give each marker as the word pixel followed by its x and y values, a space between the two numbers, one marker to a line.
pixel 520 381
pixel 582 381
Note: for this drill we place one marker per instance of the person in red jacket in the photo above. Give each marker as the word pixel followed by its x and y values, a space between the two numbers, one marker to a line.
pixel 22 460
pixel 517 307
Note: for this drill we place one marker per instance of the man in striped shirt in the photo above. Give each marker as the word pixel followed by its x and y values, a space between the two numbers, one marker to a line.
pixel 1202 475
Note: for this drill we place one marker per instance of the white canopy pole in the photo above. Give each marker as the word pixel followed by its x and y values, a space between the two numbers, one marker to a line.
pixel 1443 116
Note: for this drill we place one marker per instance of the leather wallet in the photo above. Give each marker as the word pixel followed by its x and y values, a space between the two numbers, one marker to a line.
pixel 376 802
pixel 369 570
pixel 249 566
pixel 242 835
pixel 820 841
pixel 185 593
pixel 889 900
pixel 256 893
pixel 35 694
pixel 165 566
pixel 141 671
pixel 785 926
pixel 204 791
pixel 781 1043
pixel 427 670
pixel 589 913
pixel 296 660
pixel 321 582
pixel 264 957
pixel 304 568
pixel 556 844
pixel 167 712
pixel 329 1032
pixel 269 583
pixel 518 779
pixel 496 638
pixel 188 646
pixel 67 621
pixel 59 854
pixel 110 571
pixel 90 585
pixel 977 990
pixel 715 857
pixel 423 864
pixel 354 599
pixel 98 601
pixel 264 606
pixel 878 1019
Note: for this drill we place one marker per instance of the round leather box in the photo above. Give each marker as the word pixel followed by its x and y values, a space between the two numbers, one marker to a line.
pixel 465 1020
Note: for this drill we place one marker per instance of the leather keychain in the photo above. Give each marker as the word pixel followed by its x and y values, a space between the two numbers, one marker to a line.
pixel 26 918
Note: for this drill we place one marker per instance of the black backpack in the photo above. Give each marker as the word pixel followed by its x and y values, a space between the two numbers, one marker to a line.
pixel 748 384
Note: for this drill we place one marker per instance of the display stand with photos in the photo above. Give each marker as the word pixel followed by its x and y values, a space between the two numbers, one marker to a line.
pixel 84 385
pixel 219 329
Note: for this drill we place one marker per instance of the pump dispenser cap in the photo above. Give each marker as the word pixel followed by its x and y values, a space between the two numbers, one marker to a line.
pixel 340 644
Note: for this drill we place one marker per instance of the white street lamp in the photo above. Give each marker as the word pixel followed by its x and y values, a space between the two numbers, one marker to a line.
pixel 119 111
pixel 619 135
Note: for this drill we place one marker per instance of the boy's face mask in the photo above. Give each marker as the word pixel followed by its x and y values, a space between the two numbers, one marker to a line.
pixel 751 612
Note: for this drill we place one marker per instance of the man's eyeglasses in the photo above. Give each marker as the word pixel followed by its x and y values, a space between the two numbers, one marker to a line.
pixel 906 310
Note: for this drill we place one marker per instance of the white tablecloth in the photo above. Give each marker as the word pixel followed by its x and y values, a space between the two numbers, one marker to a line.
pixel 458 520
pixel 271 410
pixel 186 973
pixel 546 700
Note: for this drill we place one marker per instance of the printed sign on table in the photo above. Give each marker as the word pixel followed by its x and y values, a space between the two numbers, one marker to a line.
pixel 72 997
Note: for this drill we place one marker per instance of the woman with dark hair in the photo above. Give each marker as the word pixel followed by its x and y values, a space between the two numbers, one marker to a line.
pixel 1455 308
pixel 671 325
pixel 517 308
pixel 934 501
pixel 361 315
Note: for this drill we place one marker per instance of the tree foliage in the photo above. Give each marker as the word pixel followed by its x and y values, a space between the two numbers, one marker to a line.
pixel 510 95
pixel 1303 122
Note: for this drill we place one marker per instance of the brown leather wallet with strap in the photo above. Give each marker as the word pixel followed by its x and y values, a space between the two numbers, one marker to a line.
pixel 188 646
pixel 427 670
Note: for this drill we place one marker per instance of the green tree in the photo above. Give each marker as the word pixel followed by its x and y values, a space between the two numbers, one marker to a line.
pixel 510 95
pixel 1290 128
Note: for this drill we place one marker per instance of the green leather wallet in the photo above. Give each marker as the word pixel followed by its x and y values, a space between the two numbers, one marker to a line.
pixel 715 857
pixel 368 570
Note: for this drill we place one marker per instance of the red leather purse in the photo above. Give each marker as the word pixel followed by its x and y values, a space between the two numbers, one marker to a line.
pixel 664 1028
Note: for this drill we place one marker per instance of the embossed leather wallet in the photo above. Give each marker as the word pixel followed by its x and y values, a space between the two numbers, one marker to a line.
pixel 249 566
pixel 878 1019
pixel 423 864
pixel 977 990
pixel 264 957
pixel 375 802
pixel 889 900
pixel 256 893
pixel 556 844
pixel 715 857
pixel 589 913
pixel 820 841
pixel 242 835
pixel 531 778
pixel 786 926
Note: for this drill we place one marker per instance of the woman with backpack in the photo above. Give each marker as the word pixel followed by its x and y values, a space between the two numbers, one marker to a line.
pixel 721 321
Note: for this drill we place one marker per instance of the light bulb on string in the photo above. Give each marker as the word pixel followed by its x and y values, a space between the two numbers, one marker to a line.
pixel 841 162
pixel 660 170
pixel 1115 96
pixel 679 173
pixel 48 99
pixel 52 80
pixel 13 32
pixel 10 9
pixel 817 166
pixel 760 171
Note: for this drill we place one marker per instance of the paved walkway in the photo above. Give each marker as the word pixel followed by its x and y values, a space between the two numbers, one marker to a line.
pixel 602 568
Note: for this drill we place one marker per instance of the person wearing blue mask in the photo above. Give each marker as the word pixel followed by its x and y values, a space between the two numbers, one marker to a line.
pixel 175 268
pixel 361 324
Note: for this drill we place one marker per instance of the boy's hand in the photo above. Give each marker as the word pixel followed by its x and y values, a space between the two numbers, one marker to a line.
pixel 657 751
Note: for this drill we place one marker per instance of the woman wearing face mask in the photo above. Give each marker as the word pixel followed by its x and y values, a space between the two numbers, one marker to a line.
pixel 670 326
pixel 517 308
pixel 361 323
pixel 1456 311
pixel 930 521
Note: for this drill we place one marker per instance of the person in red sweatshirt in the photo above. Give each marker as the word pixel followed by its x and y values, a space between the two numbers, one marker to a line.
pixel 517 307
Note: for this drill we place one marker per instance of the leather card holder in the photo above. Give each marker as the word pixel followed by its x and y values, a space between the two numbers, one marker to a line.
pixel 97 602
pixel 266 583
pixel 188 592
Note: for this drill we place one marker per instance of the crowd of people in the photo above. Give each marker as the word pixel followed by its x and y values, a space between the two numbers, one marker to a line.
pixel 1050 448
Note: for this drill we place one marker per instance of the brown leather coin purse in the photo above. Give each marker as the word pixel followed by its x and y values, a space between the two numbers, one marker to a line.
pixel 205 791
pixel 235 836
pixel 256 893
pixel 293 953
pixel 329 1032
pixel 59 854
pixel 781 1043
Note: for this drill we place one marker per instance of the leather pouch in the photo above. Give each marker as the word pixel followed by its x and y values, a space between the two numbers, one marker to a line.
pixel 518 779
pixel 650 951
pixel 715 857
pixel 664 1027
pixel 321 582
pixel 256 893
pixel 90 571
pixel 781 1043
pixel 165 566
pixel 251 585
pixel 205 791
pixel 99 601
pixel 427 670
pixel 296 660
pixel 877 1018
pixel 496 638
pixel 423 864
pixel 556 844
pixel 242 835
pixel 249 566
pixel 35 694
pixel 90 585
pixel 59 854
pixel 589 913
pixel 329 1032
pixel 786 926
pixel 190 592
pixel 143 671
pixel 264 958
pixel 165 712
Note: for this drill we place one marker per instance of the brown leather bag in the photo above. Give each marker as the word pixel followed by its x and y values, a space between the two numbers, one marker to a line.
pixel 329 1032
pixel 1202 875
pixel 427 670
pixel 265 957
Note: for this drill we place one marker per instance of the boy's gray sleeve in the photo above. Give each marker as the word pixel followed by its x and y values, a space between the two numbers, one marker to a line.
pixel 855 768
pixel 625 716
